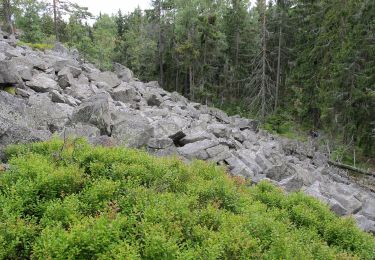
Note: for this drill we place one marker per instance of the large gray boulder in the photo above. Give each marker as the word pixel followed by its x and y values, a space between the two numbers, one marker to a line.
pixel 80 130
pixel 107 77
pixel 81 91
pixel 8 73
pixel 126 93
pixel 132 130
pixel 16 124
pixel 66 76
pixel 95 111
pixel 42 83
pixel 58 62
pixel 47 114
pixel 197 150
pixel 123 72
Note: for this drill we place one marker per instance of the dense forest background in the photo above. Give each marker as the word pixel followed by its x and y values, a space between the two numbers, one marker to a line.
pixel 294 64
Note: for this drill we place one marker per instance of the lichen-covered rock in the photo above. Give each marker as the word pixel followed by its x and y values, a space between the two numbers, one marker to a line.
pixel 95 111
pixel 42 83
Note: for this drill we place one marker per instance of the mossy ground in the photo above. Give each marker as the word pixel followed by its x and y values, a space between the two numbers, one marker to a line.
pixel 75 201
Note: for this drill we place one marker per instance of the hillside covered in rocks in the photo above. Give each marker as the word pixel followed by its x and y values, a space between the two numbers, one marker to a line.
pixel 55 93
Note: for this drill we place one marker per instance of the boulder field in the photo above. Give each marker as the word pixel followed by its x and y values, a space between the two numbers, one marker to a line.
pixel 55 93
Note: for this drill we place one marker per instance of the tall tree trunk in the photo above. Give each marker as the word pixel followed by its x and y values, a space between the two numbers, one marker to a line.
pixel 8 16
pixel 161 62
pixel 278 68
pixel 55 19
pixel 236 58
pixel 264 49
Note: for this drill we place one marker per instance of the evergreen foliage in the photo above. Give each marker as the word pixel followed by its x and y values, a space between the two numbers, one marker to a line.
pixel 69 200
pixel 312 60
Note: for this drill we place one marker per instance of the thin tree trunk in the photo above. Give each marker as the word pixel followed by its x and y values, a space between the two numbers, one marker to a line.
pixel 55 3
pixel 161 64
pixel 264 49
pixel 278 69
pixel 191 87
pixel 177 80
pixel 236 59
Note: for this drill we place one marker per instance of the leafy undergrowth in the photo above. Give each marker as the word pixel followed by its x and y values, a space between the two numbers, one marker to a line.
pixel 36 46
pixel 75 201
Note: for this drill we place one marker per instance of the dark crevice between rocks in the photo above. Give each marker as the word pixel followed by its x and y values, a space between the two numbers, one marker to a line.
pixel 177 137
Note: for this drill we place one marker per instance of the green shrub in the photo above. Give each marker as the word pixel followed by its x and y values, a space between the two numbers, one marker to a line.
pixel 36 46
pixel 73 201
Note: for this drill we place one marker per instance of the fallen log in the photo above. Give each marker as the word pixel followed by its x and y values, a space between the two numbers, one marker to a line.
pixel 351 168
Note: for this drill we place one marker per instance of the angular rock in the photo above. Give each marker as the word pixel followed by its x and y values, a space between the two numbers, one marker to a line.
pixel 125 93
pixel 218 153
pixel 220 115
pixel 132 130
pixel 219 130
pixel 153 99
pixel 123 72
pixel 13 52
pixel 95 111
pixel 57 97
pixel 365 223
pixel 42 83
pixel 8 73
pixel 80 130
pixel 197 150
pixel 107 77
pixel 244 123
pixel 48 115
pixel 196 136
pixel 81 91
pixel 24 93
pixel 159 143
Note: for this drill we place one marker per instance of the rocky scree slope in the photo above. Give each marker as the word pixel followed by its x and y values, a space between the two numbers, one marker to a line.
pixel 57 93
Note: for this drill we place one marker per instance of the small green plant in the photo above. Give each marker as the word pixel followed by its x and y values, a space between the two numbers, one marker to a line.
pixel 69 200
pixel 36 46
pixel 10 89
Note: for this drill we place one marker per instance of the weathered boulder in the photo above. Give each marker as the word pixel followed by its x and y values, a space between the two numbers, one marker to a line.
pixel 14 52
pixel 153 98
pixel 60 48
pixel 81 91
pixel 125 93
pixel 58 63
pixel 218 153
pixel 47 114
pixel 123 72
pixel 95 111
pixel 160 143
pixel 66 76
pixel 57 97
pixel 196 136
pixel 197 150
pixel 80 130
pixel 8 73
pixel 16 124
pixel 107 77
pixel 42 83
pixel 132 130
pixel 244 123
